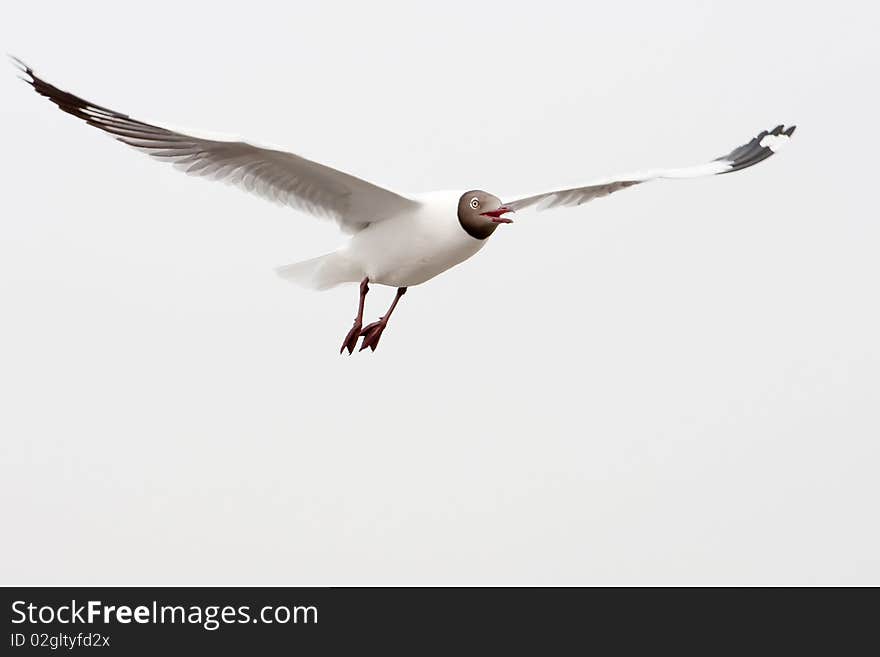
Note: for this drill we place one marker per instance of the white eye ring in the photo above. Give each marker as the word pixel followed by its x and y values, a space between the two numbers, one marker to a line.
pixel 475 203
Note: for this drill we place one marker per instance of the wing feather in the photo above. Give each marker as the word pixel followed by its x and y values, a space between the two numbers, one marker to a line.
pixel 275 175
pixel 756 150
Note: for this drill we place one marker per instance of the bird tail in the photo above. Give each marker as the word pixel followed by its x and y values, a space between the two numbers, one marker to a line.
pixel 321 273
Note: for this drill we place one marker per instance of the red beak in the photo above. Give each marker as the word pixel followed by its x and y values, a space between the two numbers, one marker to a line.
pixel 496 215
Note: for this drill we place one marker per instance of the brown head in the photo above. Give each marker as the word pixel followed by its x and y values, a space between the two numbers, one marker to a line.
pixel 479 213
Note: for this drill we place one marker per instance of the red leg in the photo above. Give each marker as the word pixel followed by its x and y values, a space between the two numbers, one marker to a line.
pixel 351 339
pixel 373 332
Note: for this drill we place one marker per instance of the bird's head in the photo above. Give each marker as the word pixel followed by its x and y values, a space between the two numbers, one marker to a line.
pixel 480 213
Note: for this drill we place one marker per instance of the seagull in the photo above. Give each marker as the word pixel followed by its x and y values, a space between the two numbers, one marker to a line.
pixel 398 240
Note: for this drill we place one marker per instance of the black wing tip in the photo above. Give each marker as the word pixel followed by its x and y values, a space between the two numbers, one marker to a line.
pixel 66 101
pixel 755 151
pixel 121 126
pixel 22 68
pixel 18 63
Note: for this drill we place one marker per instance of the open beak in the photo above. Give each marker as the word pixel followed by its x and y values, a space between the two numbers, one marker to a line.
pixel 496 215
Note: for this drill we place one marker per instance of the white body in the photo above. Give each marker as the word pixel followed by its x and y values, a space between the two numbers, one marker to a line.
pixel 403 251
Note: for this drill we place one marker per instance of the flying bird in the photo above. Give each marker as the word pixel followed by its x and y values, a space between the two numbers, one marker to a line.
pixel 399 240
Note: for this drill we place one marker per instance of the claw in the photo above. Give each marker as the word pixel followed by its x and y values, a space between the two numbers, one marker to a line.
pixel 351 339
pixel 371 335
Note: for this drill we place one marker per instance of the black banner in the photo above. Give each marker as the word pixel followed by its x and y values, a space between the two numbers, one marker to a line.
pixel 150 621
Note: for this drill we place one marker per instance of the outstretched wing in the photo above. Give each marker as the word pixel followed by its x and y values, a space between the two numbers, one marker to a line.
pixel 273 174
pixel 759 148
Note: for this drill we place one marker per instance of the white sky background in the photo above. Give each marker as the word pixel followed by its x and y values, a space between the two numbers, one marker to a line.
pixel 677 384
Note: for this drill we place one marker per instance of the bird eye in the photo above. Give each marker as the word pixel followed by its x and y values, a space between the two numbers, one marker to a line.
pixel 475 203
